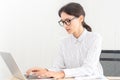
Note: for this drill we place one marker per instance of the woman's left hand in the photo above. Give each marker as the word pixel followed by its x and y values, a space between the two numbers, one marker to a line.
pixel 53 74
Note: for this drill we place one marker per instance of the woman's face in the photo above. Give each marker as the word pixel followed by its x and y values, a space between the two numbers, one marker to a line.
pixel 71 23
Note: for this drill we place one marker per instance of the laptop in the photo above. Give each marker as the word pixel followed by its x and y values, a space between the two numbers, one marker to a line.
pixel 15 71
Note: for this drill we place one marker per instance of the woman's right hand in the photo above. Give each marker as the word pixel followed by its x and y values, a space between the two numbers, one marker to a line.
pixel 37 71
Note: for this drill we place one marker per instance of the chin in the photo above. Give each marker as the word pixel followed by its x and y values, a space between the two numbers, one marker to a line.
pixel 69 32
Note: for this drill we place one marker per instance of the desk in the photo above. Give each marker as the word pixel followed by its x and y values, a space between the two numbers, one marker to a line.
pixel 113 78
pixel 13 78
pixel 109 78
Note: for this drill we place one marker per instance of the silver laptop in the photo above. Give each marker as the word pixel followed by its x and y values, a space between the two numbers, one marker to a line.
pixel 15 71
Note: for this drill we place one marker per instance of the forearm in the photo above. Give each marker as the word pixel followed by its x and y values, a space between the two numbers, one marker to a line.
pixel 80 71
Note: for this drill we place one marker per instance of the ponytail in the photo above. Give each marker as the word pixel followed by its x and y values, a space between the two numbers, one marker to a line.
pixel 87 27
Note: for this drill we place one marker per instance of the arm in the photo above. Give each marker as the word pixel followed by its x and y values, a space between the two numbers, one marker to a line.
pixel 89 64
pixel 55 71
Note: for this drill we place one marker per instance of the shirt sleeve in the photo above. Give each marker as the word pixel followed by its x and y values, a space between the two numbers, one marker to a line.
pixel 90 62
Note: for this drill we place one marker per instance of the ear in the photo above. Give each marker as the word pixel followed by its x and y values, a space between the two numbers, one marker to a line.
pixel 81 18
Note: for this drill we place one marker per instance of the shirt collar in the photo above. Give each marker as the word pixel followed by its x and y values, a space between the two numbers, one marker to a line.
pixel 80 37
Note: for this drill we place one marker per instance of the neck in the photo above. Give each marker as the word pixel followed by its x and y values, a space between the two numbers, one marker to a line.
pixel 78 33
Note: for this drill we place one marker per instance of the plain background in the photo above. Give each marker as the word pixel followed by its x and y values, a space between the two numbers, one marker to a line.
pixel 29 29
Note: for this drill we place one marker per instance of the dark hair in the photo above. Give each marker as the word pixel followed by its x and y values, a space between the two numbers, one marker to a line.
pixel 76 10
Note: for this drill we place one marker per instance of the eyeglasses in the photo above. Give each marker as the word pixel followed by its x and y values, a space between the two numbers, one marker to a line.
pixel 66 21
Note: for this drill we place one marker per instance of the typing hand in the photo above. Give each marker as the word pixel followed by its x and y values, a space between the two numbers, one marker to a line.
pixel 37 72
pixel 55 74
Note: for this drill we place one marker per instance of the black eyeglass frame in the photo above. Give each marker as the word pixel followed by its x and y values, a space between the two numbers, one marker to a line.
pixel 66 22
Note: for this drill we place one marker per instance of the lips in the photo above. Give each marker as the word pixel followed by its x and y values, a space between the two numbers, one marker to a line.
pixel 67 29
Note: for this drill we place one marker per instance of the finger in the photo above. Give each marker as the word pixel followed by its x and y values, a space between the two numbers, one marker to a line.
pixel 28 72
pixel 39 77
pixel 32 70
pixel 49 74
pixel 36 73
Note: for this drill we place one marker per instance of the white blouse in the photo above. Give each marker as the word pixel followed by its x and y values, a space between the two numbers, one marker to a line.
pixel 80 57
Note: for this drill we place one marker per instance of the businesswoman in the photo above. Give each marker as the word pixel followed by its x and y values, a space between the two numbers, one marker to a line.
pixel 80 52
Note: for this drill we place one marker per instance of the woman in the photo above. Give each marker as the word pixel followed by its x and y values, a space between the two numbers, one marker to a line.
pixel 79 53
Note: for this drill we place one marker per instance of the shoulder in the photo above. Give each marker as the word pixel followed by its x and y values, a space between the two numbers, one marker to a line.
pixel 93 35
pixel 92 38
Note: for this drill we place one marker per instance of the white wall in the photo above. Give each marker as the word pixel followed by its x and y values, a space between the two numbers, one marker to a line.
pixel 29 28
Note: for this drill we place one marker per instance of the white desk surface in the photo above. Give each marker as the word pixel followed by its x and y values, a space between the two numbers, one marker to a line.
pixel 13 78
pixel 109 78
pixel 113 78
